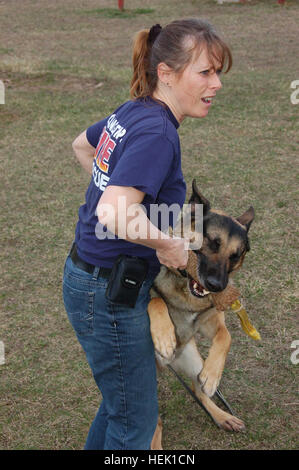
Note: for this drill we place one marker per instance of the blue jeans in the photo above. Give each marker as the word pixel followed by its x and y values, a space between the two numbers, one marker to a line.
pixel 119 349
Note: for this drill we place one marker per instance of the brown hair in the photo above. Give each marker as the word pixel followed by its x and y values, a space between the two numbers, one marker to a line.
pixel 171 46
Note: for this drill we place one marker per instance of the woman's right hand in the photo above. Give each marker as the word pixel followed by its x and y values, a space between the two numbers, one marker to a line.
pixel 174 253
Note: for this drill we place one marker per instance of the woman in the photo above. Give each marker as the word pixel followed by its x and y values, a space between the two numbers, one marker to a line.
pixel 134 157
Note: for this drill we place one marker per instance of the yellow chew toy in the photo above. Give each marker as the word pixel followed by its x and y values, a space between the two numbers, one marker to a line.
pixel 227 299
pixel 238 308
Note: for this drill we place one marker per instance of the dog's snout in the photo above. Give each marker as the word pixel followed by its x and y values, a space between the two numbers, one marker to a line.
pixel 213 284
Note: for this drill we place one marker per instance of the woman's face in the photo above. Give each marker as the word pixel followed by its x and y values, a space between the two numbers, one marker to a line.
pixel 193 91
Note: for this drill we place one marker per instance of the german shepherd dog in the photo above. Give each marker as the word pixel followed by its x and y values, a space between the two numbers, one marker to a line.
pixel 181 306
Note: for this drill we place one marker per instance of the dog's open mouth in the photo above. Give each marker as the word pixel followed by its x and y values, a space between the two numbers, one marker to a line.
pixel 197 289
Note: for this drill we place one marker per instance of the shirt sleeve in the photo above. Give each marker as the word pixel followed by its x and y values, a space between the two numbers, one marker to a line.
pixel 94 132
pixel 144 164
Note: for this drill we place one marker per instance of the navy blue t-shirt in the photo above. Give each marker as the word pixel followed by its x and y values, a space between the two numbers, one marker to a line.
pixel 136 146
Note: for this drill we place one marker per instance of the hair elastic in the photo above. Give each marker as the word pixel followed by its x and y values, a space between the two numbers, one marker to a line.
pixel 154 33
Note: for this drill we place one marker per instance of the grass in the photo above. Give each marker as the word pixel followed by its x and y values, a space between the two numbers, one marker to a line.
pixel 116 13
pixel 63 71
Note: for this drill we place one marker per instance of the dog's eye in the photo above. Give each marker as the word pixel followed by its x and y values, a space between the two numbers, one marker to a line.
pixel 234 257
pixel 214 244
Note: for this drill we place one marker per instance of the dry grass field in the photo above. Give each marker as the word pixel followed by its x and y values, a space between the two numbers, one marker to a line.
pixel 67 64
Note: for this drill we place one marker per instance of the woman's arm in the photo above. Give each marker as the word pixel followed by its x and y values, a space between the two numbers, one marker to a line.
pixel 171 252
pixel 84 152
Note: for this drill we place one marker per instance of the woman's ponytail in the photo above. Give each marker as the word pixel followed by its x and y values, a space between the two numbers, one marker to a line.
pixel 141 48
pixel 144 80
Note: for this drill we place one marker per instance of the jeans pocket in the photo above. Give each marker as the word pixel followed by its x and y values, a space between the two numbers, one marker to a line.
pixel 79 306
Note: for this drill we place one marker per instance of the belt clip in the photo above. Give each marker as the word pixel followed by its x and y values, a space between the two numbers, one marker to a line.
pixel 95 274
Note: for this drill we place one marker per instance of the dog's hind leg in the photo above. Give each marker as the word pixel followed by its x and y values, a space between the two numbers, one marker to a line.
pixel 157 437
pixel 190 363
pixel 223 419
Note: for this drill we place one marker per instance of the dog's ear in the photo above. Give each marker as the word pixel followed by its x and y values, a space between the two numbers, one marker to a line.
pixel 247 218
pixel 198 198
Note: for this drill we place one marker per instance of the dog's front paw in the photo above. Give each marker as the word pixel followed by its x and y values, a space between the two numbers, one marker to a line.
pixel 209 379
pixel 228 422
pixel 162 329
pixel 165 347
pixel 164 340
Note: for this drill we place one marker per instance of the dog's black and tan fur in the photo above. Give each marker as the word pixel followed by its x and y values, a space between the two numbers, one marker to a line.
pixel 182 306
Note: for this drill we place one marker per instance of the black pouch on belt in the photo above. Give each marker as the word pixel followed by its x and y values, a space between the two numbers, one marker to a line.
pixel 126 278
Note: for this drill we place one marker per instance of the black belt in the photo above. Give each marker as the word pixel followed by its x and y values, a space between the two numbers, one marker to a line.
pixel 88 268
